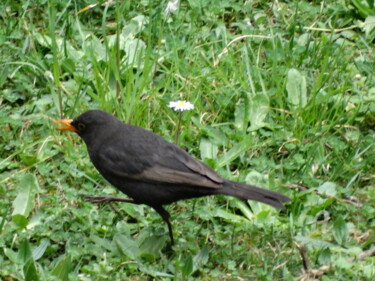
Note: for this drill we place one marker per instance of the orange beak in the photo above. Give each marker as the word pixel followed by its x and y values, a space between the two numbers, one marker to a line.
pixel 67 125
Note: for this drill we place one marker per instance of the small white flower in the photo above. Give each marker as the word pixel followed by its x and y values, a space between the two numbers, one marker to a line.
pixel 181 105
pixel 358 76
pixel 172 6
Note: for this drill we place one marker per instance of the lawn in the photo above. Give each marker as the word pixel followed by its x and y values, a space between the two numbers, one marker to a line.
pixel 284 98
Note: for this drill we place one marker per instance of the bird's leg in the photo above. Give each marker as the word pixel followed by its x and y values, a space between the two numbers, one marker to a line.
pixel 167 218
pixel 105 199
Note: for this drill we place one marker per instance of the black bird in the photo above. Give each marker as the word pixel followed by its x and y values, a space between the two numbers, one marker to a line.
pixel 151 170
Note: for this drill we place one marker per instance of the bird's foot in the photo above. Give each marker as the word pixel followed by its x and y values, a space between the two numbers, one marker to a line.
pixel 105 199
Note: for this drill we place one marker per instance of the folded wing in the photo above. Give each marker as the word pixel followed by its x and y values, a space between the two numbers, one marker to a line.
pixel 168 164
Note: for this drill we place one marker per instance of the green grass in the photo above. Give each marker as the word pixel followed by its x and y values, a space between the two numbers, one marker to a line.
pixel 284 96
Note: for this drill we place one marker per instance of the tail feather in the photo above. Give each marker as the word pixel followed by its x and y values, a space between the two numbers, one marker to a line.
pixel 250 192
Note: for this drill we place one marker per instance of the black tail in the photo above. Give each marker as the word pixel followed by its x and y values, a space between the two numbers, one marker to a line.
pixel 250 192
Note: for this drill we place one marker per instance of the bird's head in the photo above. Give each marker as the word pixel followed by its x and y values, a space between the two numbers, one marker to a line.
pixel 88 124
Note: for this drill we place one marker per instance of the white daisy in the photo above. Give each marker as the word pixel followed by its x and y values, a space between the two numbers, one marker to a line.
pixel 181 105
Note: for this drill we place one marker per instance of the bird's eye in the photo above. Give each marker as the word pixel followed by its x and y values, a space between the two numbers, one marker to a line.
pixel 81 126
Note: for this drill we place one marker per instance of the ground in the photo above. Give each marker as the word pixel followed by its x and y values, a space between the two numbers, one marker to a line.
pixel 284 98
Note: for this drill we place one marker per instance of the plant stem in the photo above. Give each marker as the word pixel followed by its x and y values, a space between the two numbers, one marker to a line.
pixel 178 127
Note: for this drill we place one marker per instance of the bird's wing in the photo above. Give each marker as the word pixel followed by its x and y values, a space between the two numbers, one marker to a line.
pixel 164 162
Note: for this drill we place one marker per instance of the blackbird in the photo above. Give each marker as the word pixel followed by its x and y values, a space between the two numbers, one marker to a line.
pixel 151 170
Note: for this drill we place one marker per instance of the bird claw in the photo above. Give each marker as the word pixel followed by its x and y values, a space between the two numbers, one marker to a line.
pixel 96 199
pixel 101 200
pixel 104 199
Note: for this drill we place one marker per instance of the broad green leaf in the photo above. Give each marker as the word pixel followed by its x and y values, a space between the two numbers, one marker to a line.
pixel 202 257
pixel 325 256
pixel 342 262
pixel 369 241
pixel 102 242
pixel 340 230
pixel 187 269
pixel 127 246
pixel 133 210
pixel 232 218
pixel 12 255
pixel 296 88
pixel 38 252
pixel 4 218
pixel 62 44
pixel 328 188
pixel 24 253
pixel 24 202
pixel 235 152
pixel 299 158
pixel 28 159
pixel 134 26
pixel 263 214
pixel 216 136
pixel 155 273
pixel 208 149
pixel 153 245
pixel 321 204
pixel 135 50
pixel 30 272
pixel 25 257
pixel 259 106
pixel 362 7
pixel 256 178
pixel 36 219
pixel 315 243
pixel 96 49
pixel 63 268
pixel 369 26
pixel 245 209
pixel 239 117
pixel 43 40
pixel 20 220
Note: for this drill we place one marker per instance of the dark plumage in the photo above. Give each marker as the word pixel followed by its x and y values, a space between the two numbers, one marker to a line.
pixel 151 170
